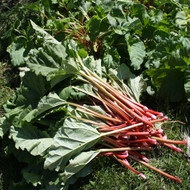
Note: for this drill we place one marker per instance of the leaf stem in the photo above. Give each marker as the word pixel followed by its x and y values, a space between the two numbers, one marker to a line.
pixel 124 149
pixel 169 141
pixel 122 129
pixel 95 114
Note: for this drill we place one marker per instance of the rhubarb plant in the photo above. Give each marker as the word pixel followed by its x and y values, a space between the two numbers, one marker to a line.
pixel 151 38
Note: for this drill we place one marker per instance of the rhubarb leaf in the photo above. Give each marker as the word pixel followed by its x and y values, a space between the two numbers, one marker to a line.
pixel 136 49
pixel 71 139
pixel 17 52
pixel 137 86
pixel 169 83
pixel 181 18
pixel 52 100
pixel 47 38
pixel 32 89
pixel 78 163
pixel 50 55
pixel 32 139
pixel 4 126
pixel 116 17
pixel 34 178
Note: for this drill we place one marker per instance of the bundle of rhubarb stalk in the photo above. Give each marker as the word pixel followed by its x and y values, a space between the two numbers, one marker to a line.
pixel 130 126
pixel 67 134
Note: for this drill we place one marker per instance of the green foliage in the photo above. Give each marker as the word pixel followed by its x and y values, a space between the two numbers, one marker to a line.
pixel 132 42
pixel 152 38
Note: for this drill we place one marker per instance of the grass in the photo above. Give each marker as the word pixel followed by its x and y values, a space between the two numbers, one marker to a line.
pixel 113 176
pixel 6 82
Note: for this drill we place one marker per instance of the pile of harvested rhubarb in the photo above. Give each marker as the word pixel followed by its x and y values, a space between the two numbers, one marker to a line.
pixel 129 125
pixel 70 110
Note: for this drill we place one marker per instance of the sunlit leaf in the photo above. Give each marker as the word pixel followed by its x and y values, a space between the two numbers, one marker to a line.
pixel 72 138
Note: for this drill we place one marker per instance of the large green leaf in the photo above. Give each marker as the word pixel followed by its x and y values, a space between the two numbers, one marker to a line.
pixel 86 170
pixel 181 18
pixel 34 178
pixel 134 25
pixel 72 138
pixel 32 139
pixel 94 65
pixel 16 51
pixel 94 26
pixel 50 55
pixel 47 38
pixel 4 126
pixel 78 167
pixel 111 58
pixel 137 86
pixel 139 10
pixel 116 17
pixel 55 75
pixel 52 100
pixel 70 93
pixel 78 163
pixel 41 70
pixel 136 49
pixel 186 42
pixel 50 61
pixel 15 116
pixel 32 89
pixel 35 174
pixel 124 73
